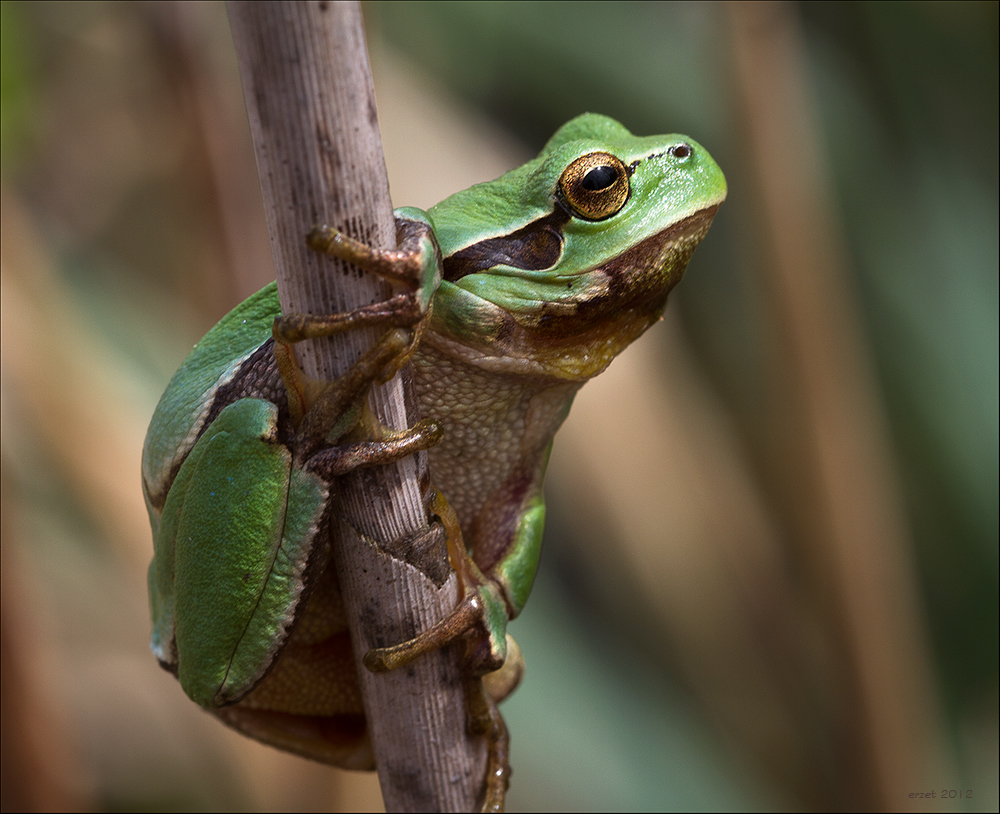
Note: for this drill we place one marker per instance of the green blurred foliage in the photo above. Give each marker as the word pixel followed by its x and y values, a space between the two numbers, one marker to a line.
pixel 17 90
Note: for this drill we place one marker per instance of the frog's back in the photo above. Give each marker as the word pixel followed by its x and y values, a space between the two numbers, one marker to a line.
pixel 185 405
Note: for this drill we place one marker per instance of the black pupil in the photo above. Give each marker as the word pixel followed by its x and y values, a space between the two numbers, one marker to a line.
pixel 680 151
pixel 599 178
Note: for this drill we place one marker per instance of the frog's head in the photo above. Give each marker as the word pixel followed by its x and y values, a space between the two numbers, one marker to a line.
pixel 560 264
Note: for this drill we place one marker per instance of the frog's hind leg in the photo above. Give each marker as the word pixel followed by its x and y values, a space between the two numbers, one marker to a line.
pixel 484 719
pixel 480 616
pixel 339 413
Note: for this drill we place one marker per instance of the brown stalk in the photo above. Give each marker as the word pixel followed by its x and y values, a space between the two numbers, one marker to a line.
pixel 313 121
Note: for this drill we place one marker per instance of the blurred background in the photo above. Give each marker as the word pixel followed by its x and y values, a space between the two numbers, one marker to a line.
pixel 770 571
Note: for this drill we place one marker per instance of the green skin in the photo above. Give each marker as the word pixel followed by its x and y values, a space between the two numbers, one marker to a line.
pixel 538 288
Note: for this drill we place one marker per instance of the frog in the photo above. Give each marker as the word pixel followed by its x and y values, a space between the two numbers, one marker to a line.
pixel 515 292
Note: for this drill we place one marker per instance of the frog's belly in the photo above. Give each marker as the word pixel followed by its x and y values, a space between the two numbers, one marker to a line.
pixel 495 427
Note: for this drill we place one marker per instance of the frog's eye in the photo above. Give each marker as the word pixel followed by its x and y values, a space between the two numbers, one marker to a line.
pixel 595 186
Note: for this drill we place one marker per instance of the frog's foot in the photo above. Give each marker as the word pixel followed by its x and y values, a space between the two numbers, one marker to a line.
pixel 396 445
pixel 475 612
pixel 330 410
pixel 482 714
pixel 484 719
pixel 416 264
pixel 480 617
pixel 399 311
pixel 337 410
pixel 492 665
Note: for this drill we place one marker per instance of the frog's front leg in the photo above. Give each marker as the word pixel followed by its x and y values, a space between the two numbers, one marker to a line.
pixel 417 264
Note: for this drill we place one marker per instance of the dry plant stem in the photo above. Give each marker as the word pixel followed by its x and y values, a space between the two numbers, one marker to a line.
pixel 847 510
pixel 312 115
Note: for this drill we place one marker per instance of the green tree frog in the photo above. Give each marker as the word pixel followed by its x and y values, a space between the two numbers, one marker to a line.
pixel 517 292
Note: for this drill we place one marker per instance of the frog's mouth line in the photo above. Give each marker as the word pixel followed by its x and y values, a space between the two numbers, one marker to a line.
pixel 539 245
pixel 534 247
pixel 637 280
